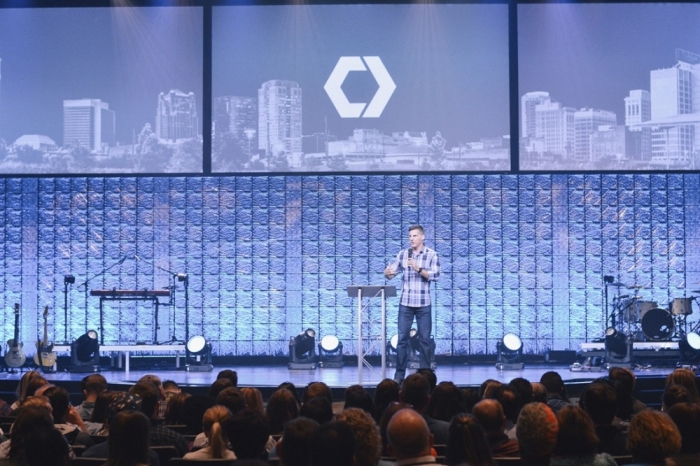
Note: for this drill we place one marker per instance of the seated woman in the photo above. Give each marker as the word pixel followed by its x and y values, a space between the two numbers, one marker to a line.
pixel 217 442
pixel 128 439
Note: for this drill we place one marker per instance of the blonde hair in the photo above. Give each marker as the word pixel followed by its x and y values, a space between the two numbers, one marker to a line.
pixel 211 423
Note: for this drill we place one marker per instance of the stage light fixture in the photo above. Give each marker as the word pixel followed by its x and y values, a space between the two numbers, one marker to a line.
pixel 390 350
pixel 414 350
pixel 510 352
pixel 618 348
pixel 330 352
pixel 690 347
pixel 198 351
pixel 302 350
pixel 85 353
pixel 68 279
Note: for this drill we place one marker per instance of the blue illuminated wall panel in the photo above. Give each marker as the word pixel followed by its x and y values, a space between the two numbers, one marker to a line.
pixel 268 257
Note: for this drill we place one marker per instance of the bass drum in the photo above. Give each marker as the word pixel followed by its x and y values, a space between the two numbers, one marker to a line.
pixel 657 324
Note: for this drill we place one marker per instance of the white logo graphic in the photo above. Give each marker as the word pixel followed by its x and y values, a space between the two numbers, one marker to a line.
pixel 347 109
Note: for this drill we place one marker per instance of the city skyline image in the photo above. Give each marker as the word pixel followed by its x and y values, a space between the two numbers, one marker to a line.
pixel 429 83
pixel 609 86
pixel 101 90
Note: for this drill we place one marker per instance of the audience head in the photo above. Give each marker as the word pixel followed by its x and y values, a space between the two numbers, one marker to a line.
pixel 467 443
pixel 218 386
pixel 673 394
pixel 523 388
pixel 230 375
pixel 487 386
pixel 93 384
pixel 315 389
pixel 128 439
pixel 281 408
pixel 54 449
pixel 319 409
pixel 212 424
pixel 384 423
pixel 294 449
pixel 686 416
pixel 292 389
pixel 193 410
pixel 368 443
pixel 653 437
pixel 539 392
pixel 471 397
pixel 357 397
pixel 155 380
pixel 416 392
pixel 253 399
pixel 553 383
pixel 29 421
pixel 122 401
pixel 248 433
pixel 446 400
pixel 599 400
pixel 408 434
pixel 333 444
pixel 171 388
pixel 577 437
pixel 489 412
pixel 509 401
pixel 28 384
pixel 99 412
pixel 430 375
pixel 537 431
pixel 233 399
pixel 38 402
pixel 623 381
pixel 148 392
pixel 59 399
pixel 687 378
pixel 175 408
pixel 387 391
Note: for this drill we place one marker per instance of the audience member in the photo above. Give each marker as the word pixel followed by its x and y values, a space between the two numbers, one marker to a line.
pixel 524 391
pixel 294 448
pixel 410 440
pixel 471 397
pixel 99 412
pixel 685 377
pixel 686 416
pixel 38 402
pixel 508 398
pixel 674 394
pixel 577 442
pixel 193 410
pixel 387 392
pixel 537 434
pixel 233 399
pixel 170 387
pixel 599 400
pixel 29 422
pixel 253 399
pixel 281 408
pixel 315 389
pixel 162 403
pixel 158 434
pixel 430 375
pixel 539 392
pixel 217 442
pixel 623 381
pixel 416 392
pixel 66 418
pixel 489 412
pixel 48 448
pixel 556 392
pixel 174 413
pixel 292 388
pixel 487 390
pixel 389 412
pixel 653 438
pixel 333 444
pixel 357 397
pixel 91 385
pixel 249 435
pixel 128 440
pixel 467 444
pixel 230 375
pixel 217 386
pixel 28 384
pixel 319 409
pixel 446 400
pixel 368 443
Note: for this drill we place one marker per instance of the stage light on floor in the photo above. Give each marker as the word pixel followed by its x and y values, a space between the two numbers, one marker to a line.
pixel 414 351
pixel 510 352
pixel 302 350
pixel 618 348
pixel 689 346
pixel 85 353
pixel 390 351
pixel 330 352
pixel 198 352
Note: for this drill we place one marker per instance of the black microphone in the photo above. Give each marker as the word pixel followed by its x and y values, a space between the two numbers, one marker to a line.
pixel 410 253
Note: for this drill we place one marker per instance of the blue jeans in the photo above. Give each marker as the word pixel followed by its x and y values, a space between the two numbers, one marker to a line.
pixel 424 321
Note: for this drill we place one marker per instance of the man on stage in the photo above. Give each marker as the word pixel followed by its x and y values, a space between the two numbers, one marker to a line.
pixel 420 266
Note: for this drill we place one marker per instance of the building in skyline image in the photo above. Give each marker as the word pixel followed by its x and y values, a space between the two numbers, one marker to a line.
pixel 554 127
pixel 528 107
pixel 638 140
pixel 239 116
pixel 88 123
pixel 279 118
pixel 176 117
pixel 586 122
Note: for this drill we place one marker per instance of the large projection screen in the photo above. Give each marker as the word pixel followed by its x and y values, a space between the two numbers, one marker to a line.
pixel 609 86
pixel 101 90
pixel 360 88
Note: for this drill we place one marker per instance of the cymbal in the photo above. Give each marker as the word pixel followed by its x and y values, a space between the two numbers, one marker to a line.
pixel 635 287
pixel 695 291
pixel 617 284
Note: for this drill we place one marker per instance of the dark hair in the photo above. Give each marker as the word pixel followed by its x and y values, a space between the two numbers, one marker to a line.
pixel 415 391
pixel 485 385
pixel 687 378
pixel 674 394
pixel 509 400
pixel 29 421
pixel 58 397
pixel 577 435
pixel 384 422
pixel 230 375
pixel 357 397
pixel 599 400
pixel 446 401
pixel 128 439
pixel 653 437
pixel 233 399
pixel 295 449
pixel 193 410
pixel 467 442
pixel 218 386
pixel 523 388
pixel 416 227
pixel 248 433
pixel 281 408
pixel 174 410
pixel 315 389
pixel 622 381
pixel 686 416
pixel 99 412
pixel 148 392
pixel 167 384
pixel 387 391
pixel 333 444
pixel 47 448
pixel 94 383
pixel 553 383
pixel 430 375
pixel 471 397
pixel 319 409
pixel 292 388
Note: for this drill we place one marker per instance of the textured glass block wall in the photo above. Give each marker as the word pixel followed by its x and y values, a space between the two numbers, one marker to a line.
pixel 270 256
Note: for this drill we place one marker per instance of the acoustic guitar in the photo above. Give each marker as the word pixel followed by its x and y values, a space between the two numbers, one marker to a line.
pixel 45 355
pixel 14 356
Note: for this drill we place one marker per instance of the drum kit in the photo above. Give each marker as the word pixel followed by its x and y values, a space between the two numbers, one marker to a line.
pixel 646 320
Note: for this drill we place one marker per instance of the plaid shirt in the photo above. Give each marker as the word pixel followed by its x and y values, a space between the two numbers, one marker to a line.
pixel 416 289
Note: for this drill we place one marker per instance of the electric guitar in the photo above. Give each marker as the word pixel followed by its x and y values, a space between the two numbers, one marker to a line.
pixel 14 356
pixel 45 355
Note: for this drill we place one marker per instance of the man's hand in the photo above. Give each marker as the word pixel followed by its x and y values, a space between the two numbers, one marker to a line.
pixel 389 272
pixel 412 264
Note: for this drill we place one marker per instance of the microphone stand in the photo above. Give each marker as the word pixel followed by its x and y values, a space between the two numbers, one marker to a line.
pixel 173 288
pixel 85 283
